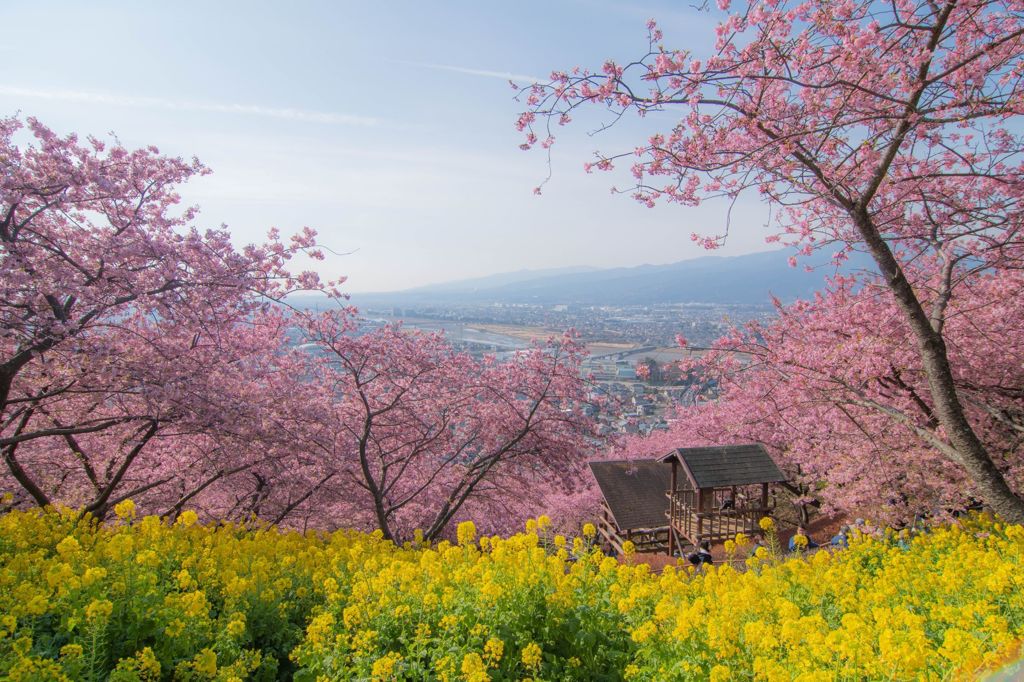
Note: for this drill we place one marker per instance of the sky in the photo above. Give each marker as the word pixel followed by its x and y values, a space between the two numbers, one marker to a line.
pixel 387 127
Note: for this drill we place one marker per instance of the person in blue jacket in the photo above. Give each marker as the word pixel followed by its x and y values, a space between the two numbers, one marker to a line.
pixel 841 539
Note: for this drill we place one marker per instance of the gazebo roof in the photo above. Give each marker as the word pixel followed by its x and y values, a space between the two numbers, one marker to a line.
pixel 726 465
pixel 636 491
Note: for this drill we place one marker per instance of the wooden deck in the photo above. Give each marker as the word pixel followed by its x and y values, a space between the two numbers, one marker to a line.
pixel 695 520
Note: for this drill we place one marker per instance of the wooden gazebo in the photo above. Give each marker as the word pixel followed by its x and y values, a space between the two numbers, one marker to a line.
pixel 635 506
pixel 723 490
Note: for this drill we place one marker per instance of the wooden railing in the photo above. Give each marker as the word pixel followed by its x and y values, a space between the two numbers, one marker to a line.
pixel 698 517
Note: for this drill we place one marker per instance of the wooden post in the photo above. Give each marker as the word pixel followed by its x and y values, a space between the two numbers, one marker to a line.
pixel 671 521
pixel 700 514
pixel 672 510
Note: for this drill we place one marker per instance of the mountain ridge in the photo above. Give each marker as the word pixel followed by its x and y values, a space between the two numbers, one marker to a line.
pixel 495 280
pixel 745 279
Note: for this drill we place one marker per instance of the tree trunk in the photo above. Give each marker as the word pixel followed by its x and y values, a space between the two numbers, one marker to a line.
pixel 22 477
pixel 949 411
pixel 18 471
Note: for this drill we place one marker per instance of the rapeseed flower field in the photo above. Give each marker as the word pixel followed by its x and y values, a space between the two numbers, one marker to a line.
pixel 147 600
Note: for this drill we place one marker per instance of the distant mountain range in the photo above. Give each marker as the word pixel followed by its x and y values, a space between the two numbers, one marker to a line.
pixel 504 279
pixel 748 279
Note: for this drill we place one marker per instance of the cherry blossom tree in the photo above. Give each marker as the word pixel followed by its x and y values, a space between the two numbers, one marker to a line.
pixel 420 434
pixel 122 326
pixel 887 127
pixel 184 413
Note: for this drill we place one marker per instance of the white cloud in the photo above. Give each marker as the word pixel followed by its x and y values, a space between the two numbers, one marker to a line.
pixel 292 114
pixel 504 75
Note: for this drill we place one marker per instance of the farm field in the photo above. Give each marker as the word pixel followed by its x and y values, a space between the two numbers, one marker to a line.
pixel 142 599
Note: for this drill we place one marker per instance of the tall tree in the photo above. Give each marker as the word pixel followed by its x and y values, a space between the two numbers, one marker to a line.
pixel 881 126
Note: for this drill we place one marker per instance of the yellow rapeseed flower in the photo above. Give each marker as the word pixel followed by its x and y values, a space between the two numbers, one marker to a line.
pixel 71 651
pixel 148 665
pixel 384 667
pixel 206 662
pixel 125 510
pixel 99 609
pixel 466 533
pixel 644 632
pixel 93 575
pixel 187 518
pixel 236 626
pixel 720 673
pixel 473 665
pixel 69 546
pixel 320 629
pixel 531 655
pixel 493 650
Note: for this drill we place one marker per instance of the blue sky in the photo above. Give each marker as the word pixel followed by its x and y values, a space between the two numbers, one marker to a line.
pixel 388 127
